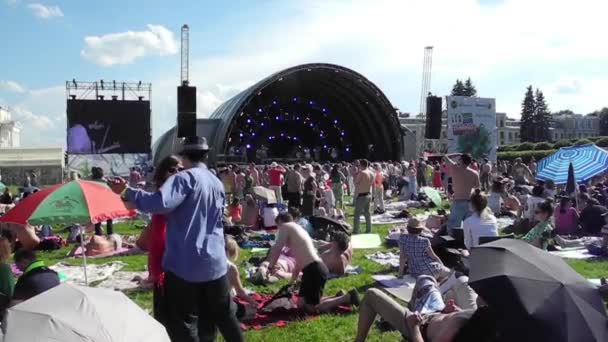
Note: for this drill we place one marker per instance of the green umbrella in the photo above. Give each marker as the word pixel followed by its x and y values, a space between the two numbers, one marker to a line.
pixel 432 194
pixel 2 186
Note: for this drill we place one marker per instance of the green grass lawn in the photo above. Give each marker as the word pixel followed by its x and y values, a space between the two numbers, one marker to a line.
pixel 323 328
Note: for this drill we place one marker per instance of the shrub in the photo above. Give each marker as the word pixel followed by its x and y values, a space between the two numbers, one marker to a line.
pixel 562 143
pixel 525 146
pixel 524 155
pixel 543 146
pixel 505 148
pixel 583 142
pixel 603 142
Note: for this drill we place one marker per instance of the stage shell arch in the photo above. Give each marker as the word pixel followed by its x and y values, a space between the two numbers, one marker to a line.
pixel 344 109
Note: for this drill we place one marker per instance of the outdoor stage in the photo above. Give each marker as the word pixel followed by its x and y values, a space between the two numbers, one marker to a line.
pixel 324 110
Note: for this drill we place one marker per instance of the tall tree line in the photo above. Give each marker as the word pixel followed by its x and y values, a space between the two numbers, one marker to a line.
pixel 465 88
pixel 535 117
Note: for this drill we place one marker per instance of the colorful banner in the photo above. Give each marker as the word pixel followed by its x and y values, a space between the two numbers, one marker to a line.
pixel 112 164
pixel 472 126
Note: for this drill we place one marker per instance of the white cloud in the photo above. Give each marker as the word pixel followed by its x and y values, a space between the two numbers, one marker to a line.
pixel 11 86
pixel 30 120
pixel 12 2
pixel 45 12
pixel 125 47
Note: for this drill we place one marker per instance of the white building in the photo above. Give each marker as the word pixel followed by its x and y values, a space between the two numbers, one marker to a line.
pixel 567 125
pixel 9 130
pixel 508 130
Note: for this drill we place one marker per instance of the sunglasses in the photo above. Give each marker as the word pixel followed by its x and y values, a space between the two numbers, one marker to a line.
pixel 175 169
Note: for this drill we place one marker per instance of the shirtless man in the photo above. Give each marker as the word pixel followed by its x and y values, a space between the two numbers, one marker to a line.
pixel 337 254
pixel 314 272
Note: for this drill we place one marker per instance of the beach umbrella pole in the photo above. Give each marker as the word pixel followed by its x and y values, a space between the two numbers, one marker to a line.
pixel 84 256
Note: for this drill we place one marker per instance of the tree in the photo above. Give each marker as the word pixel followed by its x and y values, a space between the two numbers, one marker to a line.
pixel 526 128
pixel 469 88
pixel 542 118
pixel 458 89
pixel 603 115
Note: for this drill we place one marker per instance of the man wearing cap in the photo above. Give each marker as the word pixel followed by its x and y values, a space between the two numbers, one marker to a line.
pixel 275 180
pixel 196 287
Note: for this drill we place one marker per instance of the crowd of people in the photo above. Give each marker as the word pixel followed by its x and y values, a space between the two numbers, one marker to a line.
pixel 193 265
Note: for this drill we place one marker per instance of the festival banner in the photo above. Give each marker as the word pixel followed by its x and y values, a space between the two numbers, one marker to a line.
pixel 472 126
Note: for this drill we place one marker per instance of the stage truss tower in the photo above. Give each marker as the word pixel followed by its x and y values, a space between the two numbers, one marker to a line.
pixel 427 66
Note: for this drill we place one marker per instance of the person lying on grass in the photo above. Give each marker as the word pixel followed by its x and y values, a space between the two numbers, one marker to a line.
pixel 428 317
pixel 314 271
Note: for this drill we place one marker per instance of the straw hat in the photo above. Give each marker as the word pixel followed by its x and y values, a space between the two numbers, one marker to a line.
pixel 414 223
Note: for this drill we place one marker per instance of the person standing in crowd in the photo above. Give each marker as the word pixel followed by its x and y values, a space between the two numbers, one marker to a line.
pixel 532 166
pixel 310 195
pixel 337 185
pixel 249 183
pixel 295 182
pixel 156 241
pixel 36 277
pixel 437 177
pixel 7 197
pixel 240 183
pixel 228 178
pixel 420 170
pixel 135 177
pixel 485 175
pixel 378 194
pixel 566 217
pixel 275 180
pixel 481 223
pixel 521 173
pixel 254 174
pixel 464 180
pixel 363 188
pixel 97 175
pixel 195 264
pixel 353 170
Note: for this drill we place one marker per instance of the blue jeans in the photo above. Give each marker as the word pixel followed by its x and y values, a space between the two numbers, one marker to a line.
pixel 459 210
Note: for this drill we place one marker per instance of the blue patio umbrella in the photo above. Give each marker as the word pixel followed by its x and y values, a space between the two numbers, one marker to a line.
pixel 588 161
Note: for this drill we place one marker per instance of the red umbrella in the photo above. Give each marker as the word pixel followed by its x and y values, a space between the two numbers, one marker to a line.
pixel 78 201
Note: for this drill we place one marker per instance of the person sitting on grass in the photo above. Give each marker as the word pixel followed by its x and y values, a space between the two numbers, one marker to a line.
pixel 234 277
pixel 314 272
pixel 539 235
pixel 481 223
pixel 337 254
pixel 449 324
pixel 36 278
pixel 416 252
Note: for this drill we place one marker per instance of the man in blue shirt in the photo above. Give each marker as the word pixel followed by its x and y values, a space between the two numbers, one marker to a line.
pixel 196 287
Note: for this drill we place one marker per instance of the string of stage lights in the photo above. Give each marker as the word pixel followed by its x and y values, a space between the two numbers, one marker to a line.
pixel 281 124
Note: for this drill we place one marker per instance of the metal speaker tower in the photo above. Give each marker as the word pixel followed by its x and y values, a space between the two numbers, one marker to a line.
pixel 427 66
pixel 185 54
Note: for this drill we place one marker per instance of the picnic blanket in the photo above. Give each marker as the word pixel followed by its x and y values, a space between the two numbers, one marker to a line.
pixel 387 218
pixel 401 288
pixel 95 273
pixel 400 205
pixel 121 281
pixel 365 241
pixel 579 253
pixel 280 316
pixel 385 258
pixel 349 270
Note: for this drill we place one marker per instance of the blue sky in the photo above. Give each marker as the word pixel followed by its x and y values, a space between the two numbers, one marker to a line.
pixel 503 45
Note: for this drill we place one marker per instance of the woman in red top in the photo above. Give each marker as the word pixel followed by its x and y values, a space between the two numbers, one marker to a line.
pixel 167 167
pixel 437 177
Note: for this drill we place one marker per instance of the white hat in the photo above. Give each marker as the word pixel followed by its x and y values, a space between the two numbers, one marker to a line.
pixel 274 164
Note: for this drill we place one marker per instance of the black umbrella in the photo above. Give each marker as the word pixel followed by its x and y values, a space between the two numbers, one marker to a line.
pixel 571 182
pixel 540 297
pixel 329 224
